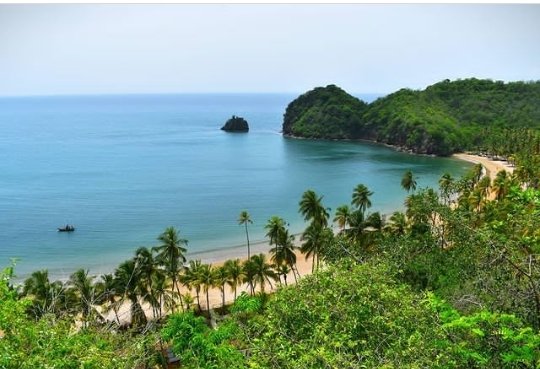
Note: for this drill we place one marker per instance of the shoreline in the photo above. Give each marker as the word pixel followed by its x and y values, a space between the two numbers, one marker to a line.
pixel 491 166
pixel 303 266
pixel 217 257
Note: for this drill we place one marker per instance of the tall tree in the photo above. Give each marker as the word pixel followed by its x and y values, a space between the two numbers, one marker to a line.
pixel 148 267
pixel 397 223
pixel 408 182
pixel 315 237
pixel 171 255
pixel 84 288
pixel 245 219
pixel 220 280
pixel 343 215
pixel 262 271
pixel 235 274
pixel 501 184
pixel 312 209
pixel 108 294
pixel 191 279
pixel 130 285
pixel 446 183
pixel 283 252
pixel 360 197
pixel 48 297
pixel 274 228
pixel 207 280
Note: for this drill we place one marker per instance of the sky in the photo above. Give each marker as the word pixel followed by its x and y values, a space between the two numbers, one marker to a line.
pixel 51 49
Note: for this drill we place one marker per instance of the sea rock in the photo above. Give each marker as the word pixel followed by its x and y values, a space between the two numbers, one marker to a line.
pixel 236 124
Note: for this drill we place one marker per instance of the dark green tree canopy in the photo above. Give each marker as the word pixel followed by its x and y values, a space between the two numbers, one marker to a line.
pixel 447 117
pixel 325 112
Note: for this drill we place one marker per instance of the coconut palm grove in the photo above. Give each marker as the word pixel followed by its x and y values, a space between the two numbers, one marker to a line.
pixel 452 281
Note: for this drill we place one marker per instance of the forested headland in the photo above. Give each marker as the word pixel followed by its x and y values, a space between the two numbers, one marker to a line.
pixel 447 117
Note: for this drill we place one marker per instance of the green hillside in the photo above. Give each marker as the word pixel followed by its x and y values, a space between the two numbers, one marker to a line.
pixel 444 118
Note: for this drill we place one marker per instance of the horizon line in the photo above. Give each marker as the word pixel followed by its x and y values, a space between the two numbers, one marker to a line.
pixel 81 94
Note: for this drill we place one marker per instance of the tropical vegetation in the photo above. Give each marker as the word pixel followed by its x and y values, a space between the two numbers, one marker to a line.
pixel 452 281
pixel 447 117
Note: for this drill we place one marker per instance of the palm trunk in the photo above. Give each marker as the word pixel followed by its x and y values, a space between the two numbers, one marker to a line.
pixel 115 309
pixel 285 278
pixel 247 237
pixel 179 294
pixel 223 297
pixel 207 301
pixel 197 292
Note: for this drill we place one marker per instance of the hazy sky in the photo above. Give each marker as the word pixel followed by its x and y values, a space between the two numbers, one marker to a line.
pixel 103 48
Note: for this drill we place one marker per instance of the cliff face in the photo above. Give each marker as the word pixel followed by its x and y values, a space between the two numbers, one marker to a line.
pixel 442 119
pixel 236 124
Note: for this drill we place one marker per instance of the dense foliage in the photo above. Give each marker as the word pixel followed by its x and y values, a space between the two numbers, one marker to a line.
pixel 51 342
pixel 325 112
pixel 442 119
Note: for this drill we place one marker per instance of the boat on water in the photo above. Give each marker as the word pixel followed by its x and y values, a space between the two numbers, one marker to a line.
pixel 67 228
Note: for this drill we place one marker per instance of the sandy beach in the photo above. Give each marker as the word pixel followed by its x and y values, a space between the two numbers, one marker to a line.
pixel 303 265
pixel 491 166
pixel 218 257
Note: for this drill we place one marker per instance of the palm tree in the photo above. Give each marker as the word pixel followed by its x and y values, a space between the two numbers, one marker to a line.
pixel 37 285
pixel 107 293
pixel 188 300
pixel 476 173
pixel 501 184
pixel 357 225
pixel 262 271
pixel 282 270
pixel 244 219
pixel 375 221
pixel 160 296
pixel 234 274
pixel 191 279
pixel 397 223
pixel 248 271
pixel 274 227
pixel 129 284
pixel 85 291
pixel 49 297
pixel 148 267
pixel 408 182
pixel 171 256
pixel 315 237
pixel 445 184
pixel 360 197
pixel 206 280
pixel 283 252
pixel 220 280
pixel 312 209
pixel 483 186
pixel 343 214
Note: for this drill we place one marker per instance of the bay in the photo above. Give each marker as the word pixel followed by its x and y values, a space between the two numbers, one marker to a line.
pixel 122 168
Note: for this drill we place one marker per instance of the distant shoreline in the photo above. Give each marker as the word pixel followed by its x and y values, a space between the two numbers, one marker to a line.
pixel 491 166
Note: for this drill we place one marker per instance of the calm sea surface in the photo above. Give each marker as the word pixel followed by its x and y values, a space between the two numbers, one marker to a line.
pixel 122 168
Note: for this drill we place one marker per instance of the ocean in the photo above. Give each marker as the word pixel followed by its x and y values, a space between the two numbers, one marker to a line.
pixel 121 168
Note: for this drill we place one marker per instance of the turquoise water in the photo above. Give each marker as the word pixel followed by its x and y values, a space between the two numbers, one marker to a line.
pixel 122 168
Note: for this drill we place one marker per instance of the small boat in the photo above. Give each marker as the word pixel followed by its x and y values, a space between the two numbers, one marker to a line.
pixel 67 228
